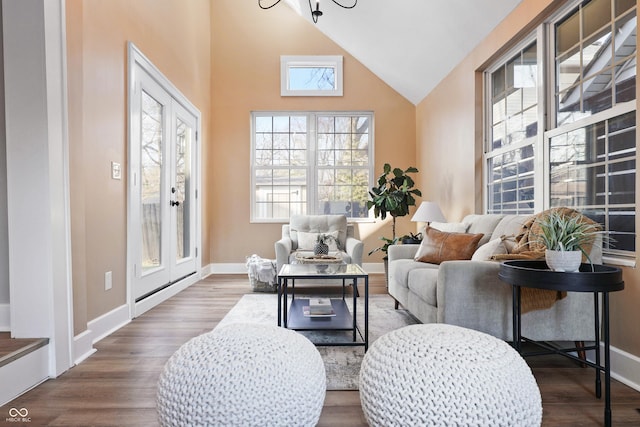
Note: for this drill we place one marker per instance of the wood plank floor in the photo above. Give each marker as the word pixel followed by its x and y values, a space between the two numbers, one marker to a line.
pixel 116 386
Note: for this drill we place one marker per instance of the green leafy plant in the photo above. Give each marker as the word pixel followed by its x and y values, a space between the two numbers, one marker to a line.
pixel 560 232
pixel 393 196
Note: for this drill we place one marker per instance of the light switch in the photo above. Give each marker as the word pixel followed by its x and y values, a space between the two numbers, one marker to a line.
pixel 116 170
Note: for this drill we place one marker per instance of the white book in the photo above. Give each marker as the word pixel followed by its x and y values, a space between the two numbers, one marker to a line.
pixel 320 306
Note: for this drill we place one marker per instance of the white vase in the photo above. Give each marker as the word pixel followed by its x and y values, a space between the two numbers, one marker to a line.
pixel 568 261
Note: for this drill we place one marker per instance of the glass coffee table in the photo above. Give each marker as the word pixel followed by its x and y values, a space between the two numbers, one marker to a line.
pixel 291 314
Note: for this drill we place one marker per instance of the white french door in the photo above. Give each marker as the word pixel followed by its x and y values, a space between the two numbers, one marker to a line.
pixel 162 235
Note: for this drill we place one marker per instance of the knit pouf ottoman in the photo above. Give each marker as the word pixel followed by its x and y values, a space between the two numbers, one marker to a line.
pixel 243 375
pixel 443 375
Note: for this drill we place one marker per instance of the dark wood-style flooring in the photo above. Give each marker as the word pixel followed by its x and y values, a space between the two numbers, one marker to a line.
pixel 116 386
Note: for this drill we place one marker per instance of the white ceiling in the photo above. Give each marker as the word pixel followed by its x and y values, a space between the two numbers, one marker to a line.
pixel 410 44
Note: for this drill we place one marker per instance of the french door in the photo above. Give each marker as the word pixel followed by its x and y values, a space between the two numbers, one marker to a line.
pixel 162 188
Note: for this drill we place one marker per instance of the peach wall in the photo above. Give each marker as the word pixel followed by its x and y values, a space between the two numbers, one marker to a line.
pixel 175 36
pixel 246 46
pixel 449 120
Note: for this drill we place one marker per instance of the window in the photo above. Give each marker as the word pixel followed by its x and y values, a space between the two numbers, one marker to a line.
pixel 592 169
pixel 310 163
pixel 585 156
pixel 311 75
pixel 513 127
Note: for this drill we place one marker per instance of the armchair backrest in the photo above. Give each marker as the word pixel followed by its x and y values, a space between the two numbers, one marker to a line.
pixel 316 224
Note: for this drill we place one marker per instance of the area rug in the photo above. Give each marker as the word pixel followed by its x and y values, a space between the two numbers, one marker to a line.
pixel 342 364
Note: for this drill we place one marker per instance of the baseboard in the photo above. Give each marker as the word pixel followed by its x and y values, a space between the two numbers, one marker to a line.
pixel 5 317
pixel 108 323
pixel 625 367
pixel 23 374
pixel 239 268
pixel 83 346
pixel 151 301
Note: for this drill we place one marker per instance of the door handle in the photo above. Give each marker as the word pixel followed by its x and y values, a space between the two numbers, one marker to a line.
pixel 174 203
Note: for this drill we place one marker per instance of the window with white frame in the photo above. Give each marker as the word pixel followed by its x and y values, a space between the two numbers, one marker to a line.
pixel 591 143
pixel 587 149
pixel 310 163
pixel 319 75
pixel 513 118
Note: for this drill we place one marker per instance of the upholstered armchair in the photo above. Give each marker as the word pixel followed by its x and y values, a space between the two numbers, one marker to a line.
pixel 300 235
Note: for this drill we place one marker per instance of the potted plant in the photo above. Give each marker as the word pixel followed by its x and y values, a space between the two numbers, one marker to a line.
pixel 565 238
pixel 393 196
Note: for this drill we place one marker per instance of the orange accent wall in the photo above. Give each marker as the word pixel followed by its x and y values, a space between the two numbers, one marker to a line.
pixel 175 36
pixel 245 75
pixel 449 120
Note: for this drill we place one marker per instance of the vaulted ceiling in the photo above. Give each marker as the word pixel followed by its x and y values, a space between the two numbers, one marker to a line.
pixel 410 44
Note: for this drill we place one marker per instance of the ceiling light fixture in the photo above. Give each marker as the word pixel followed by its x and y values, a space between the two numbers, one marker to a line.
pixel 315 13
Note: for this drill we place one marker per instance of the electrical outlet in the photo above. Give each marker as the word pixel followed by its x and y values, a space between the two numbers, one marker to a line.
pixel 108 282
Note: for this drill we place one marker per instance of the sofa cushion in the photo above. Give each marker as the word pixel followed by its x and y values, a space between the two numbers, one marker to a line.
pixel 484 224
pixel 450 227
pixel 508 228
pixel 399 270
pixel 438 246
pixel 423 282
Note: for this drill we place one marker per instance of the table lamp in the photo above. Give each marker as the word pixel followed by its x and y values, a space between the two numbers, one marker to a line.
pixel 428 212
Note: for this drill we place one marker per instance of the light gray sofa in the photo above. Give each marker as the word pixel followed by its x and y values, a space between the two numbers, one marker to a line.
pixel 470 294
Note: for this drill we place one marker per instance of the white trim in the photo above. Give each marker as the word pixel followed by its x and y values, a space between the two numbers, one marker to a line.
pixel 287 62
pixel 23 374
pixel 151 301
pixel 83 346
pixel 37 164
pixel 239 268
pixel 625 367
pixel 5 317
pixel 108 323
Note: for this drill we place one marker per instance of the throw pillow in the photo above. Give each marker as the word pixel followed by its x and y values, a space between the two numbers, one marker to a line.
pixel 486 251
pixel 438 246
pixel 450 227
pixel 306 241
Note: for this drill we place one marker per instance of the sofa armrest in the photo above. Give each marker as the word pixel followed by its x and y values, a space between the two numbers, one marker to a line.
pixel 354 248
pixel 283 249
pixel 470 294
pixel 402 251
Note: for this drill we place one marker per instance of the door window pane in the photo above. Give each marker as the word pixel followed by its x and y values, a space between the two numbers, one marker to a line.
pixel 151 180
pixel 182 189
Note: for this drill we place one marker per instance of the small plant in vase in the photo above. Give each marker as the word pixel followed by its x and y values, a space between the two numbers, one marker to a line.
pixel 565 238
pixel 322 247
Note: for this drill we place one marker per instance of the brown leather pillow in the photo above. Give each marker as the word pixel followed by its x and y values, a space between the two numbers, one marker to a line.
pixel 438 246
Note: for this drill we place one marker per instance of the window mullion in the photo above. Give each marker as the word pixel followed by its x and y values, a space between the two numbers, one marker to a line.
pixel 312 174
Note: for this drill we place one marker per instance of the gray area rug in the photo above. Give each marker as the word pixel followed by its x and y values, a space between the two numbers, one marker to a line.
pixel 342 364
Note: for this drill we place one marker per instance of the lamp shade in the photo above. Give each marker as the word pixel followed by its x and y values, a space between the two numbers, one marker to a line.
pixel 428 212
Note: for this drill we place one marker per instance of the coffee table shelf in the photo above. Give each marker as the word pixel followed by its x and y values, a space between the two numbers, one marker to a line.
pixel 342 321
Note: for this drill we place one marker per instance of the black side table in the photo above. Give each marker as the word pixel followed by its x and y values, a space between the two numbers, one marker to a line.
pixel 598 279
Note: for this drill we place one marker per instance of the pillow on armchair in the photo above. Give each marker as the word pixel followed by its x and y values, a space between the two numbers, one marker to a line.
pixel 306 241
pixel 438 246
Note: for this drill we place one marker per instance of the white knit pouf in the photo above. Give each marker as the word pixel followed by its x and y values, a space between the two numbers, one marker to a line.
pixel 443 375
pixel 243 375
